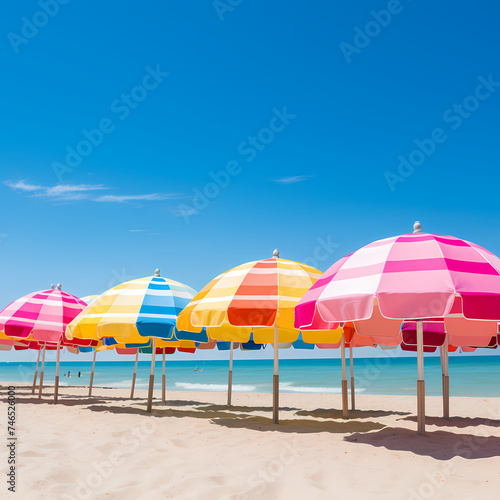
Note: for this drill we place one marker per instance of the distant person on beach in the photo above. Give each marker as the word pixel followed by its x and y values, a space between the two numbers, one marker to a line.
pixel 69 374
pixel 79 373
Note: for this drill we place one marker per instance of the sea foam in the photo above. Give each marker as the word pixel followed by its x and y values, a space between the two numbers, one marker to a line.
pixel 214 387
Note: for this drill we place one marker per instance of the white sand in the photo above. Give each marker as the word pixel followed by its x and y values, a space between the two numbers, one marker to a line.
pixel 195 447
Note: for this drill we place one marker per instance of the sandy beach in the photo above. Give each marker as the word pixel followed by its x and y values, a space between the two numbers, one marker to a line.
pixel 194 446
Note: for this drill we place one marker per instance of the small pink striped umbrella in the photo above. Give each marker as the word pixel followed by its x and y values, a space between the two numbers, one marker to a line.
pixel 417 276
pixel 43 317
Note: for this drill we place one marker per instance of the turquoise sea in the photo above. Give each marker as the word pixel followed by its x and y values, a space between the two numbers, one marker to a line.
pixel 469 375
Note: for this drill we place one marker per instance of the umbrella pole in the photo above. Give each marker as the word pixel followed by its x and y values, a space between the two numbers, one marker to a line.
pixel 152 376
pixel 276 377
pixel 230 380
pixel 41 374
pixel 442 370
pixel 420 380
pixel 92 374
pixel 56 387
pixel 135 375
pixel 36 372
pixel 353 395
pixel 446 380
pixel 163 380
pixel 345 398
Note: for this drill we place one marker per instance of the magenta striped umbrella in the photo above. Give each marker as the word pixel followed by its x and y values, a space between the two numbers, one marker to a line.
pixel 417 276
pixel 42 317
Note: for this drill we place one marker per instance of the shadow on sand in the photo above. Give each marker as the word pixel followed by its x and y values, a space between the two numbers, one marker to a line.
pixel 234 420
pixel 62 400
pixel 458 422
pixel 158 412
pixel 440 445
pixel 245 409
pixel 300 426
pixel 337 414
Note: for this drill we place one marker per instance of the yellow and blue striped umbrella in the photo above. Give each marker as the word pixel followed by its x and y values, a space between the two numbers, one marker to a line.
pixel 134 311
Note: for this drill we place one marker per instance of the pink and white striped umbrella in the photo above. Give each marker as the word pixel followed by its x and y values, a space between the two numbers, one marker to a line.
pixel 413 276
pixel 42 317
pixel 44 314
pixel 419 276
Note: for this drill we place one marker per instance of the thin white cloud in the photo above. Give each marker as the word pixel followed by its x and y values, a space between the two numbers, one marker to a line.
pixel 77 192
pixel 58 192
pixel 64 189
pixel 294 179
pixel 113 198
pixel 23 186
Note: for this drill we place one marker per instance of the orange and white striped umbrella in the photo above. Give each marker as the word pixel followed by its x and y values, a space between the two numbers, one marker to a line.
pixel 254 298
pixel 259 299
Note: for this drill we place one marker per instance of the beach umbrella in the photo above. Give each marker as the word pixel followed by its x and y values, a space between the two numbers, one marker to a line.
pixel 134 312
pixel 414 276
pixel 43 315
pixel 256 298
pixel 88 299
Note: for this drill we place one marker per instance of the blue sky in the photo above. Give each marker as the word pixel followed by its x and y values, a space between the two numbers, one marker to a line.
pixel 302 111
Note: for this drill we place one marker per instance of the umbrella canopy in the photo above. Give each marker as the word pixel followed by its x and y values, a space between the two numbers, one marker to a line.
pixel 251 295
pixel 414 276
pixel 45 315
pixel 134 311
pixel 255 299
pixel 89 298
pixel 41 317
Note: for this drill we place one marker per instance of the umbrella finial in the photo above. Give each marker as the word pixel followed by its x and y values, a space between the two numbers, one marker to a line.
pixel 417 227
pixel 52 287
pixel 59 286
pixel 276 254
pixel 157 272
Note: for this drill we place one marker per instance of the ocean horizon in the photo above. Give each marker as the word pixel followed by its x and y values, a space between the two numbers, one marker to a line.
pixel 469 376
